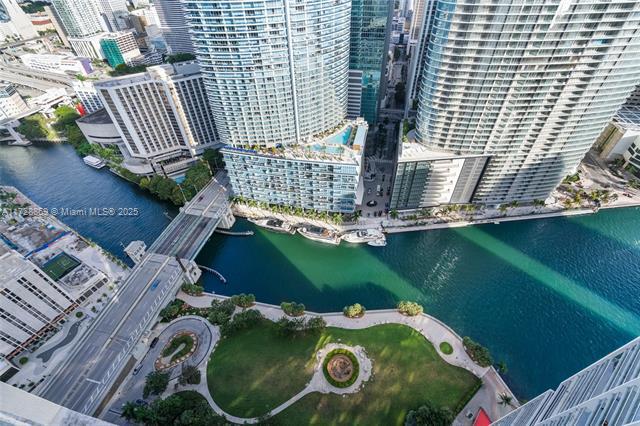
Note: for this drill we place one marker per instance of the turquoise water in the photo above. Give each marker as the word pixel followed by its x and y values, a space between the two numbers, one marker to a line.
pixel 340 138
pixel 546 296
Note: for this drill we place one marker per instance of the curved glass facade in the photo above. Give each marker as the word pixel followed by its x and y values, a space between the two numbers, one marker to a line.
pixel 276 70
pixel 532 84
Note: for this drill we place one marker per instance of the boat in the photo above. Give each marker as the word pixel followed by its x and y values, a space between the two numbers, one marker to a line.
pixel 94 162
pixel 380 242
pixel 362 236
pixel 273 224
pixel 319 234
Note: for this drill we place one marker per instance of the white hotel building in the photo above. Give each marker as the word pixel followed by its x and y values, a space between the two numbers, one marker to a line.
pixel 529 85
pixel 162 118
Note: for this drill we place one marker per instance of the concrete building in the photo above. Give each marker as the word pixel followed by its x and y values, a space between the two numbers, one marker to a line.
pixel 620 140
pixel 162 116
pixel 322 175
pixel 80 18
pixel 119 47
pixel 14 23
pixel 113 14
pixel 421 27
pixel 87 95
pixel 605 393
pixel 98 128
pixel 41 21
pixel 31 303
pixel 370 23
pixel 173 25
pixel 59 64
pixel 532 91
pixel 280 78
pixel 11 103
pixel 57 24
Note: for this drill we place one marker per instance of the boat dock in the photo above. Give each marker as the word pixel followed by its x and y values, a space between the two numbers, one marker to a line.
pixel 234 233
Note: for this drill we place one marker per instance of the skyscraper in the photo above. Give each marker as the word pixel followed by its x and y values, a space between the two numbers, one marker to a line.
pixel 111 11
pixel 173 26
pixel 14 22
pixel 80 18
pixel 370 24
pixel 276 72
pixel 531 86
pixel 605 393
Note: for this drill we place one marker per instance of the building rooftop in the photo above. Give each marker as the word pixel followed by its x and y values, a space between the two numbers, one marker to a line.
pixel 628 117
pixel 100 116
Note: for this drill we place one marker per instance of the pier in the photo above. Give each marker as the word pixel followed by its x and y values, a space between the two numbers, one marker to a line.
pixel 214 272
pixel 234 233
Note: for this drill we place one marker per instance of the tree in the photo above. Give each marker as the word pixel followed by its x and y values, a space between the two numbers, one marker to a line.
pixel 354 311
pixel 129 410
pixel 502 367
pixel 214 158
pixel 399 93
pixel 190 375
pixel 428 415
pixel 243 300
pixel 506 400
pixel 394 214
pixel 221 311
pixel 409 308
pixel 316 324
pixel 180 57
pixel 156 383
pixel 478 353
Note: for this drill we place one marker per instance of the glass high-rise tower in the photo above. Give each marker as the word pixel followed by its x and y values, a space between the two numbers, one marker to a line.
pixel 528 84
pixel 370 24
pixel 276 71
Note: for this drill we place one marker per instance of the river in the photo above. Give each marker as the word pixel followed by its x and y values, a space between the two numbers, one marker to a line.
pixel 546 296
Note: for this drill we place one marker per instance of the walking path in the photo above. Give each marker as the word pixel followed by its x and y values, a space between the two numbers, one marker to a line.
pixel 431 328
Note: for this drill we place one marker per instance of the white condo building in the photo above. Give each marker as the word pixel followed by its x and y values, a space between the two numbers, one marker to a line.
pixel 14 23
pixel 112 12
pixel 530 85
pixel 30 302
pixel 276 72
pixel 605 393
pixel 162 117
pixel 11 103
pixel 80 18
pixel 59 64
pixel 172 24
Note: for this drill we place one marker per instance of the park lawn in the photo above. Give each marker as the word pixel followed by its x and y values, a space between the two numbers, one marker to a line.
pixel 256 370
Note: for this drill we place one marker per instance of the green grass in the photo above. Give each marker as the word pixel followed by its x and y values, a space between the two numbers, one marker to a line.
pixel 446 348
pixel 256 370
pixel 185 340
pixel 60 266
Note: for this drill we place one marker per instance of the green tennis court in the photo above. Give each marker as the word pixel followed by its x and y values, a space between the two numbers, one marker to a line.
pixel 60 266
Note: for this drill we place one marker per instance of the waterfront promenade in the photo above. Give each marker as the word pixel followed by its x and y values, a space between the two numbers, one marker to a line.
pixel 84 378
pixel 430 327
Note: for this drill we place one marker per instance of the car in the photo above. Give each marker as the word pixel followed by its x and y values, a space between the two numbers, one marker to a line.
pixel 200 198
pixel 137 369
pixel 372 203
pixel 626 194
pixel 154 342
pixel 141 402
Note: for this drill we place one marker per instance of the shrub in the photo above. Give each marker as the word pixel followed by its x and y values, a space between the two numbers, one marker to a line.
pixel 409 308
pixel 289 327
pixel 183 340
pixel 79 314
pixel 190 375
pixel 221 311
pixel 316 324
pixel 171 311
pixel 23 360
pixel 354 361
pixel 354 311
pixel 241 321
pixel 192 289
pixel 292 309
pixel 156 383
pixel 478 353
pixel 428 415
pixel 244 300
pixel 446 348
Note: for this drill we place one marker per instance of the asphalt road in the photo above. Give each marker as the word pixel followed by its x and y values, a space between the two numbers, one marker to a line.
pixel 82 380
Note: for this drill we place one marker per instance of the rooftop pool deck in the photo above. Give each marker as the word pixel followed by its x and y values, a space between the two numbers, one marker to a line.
pixel 341 138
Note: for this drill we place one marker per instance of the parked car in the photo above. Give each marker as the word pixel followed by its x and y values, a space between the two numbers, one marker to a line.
pixel 154 342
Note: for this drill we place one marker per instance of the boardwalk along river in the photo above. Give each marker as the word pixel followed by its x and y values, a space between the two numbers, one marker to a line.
pixel 546 296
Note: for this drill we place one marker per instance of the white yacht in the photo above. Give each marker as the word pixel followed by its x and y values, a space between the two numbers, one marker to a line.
pixel 94 162
pixel 380 242
pixel 319 234
pixel 362 236
pixel 275 225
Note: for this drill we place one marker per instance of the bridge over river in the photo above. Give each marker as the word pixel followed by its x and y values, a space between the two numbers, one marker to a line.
pixel 82 381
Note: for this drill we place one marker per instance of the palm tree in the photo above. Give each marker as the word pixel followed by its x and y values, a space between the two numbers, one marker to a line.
pixel 394 214
pixel 505 400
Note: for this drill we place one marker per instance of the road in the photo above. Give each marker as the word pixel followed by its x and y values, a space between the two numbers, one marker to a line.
pixel 102 352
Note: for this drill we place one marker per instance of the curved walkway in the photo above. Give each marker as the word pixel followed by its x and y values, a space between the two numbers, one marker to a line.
pixel 434 330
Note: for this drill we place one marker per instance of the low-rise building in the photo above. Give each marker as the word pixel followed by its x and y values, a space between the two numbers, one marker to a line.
pixel 324 174
pixel 98 128
pixel 162 116
pixel 59 64
pixel 88 46
pixel 119 48
pixel 87 96
pixel 11 103
pixel 620 140
pixel 31 303
pixel 425 178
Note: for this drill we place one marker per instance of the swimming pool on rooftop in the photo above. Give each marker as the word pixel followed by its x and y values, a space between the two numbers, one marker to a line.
pixel 340 138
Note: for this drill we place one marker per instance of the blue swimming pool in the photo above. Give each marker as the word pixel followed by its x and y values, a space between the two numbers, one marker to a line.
pixel 340 138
